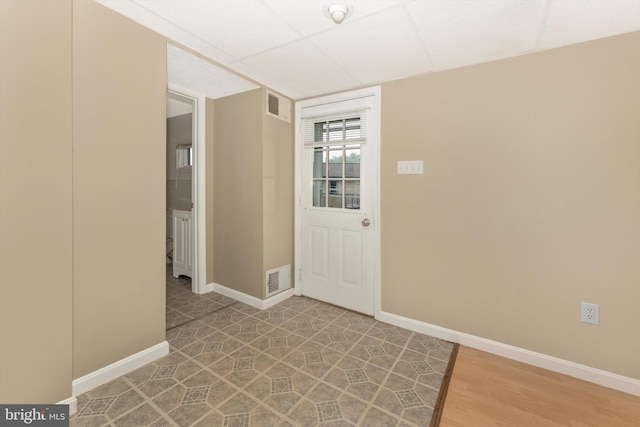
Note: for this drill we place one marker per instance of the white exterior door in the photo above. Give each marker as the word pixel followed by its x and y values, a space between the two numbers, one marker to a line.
pixel 338 171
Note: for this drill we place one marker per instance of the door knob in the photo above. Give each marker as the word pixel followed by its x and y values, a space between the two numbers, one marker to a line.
pixel 366 222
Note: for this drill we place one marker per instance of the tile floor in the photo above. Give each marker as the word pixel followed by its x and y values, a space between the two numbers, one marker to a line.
pixel 299 363
pixel 184 306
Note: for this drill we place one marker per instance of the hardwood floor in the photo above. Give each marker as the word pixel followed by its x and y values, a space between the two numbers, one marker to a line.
pixel 489 390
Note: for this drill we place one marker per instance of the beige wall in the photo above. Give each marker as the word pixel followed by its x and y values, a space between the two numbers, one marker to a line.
pixel 119 73
pixel 277 193
pixel 253 186
pixel 35 201
pixel 529 203
pixel 237 172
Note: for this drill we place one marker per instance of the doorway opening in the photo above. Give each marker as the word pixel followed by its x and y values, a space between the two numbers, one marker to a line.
pixel 180 249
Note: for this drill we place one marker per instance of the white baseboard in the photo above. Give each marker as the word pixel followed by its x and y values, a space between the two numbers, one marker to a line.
pixel 252 301
pixel 587 373
pixel 119 368
pixel 205 288
pixel 73 404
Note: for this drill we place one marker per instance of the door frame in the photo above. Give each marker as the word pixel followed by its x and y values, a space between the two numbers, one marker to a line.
pixel 373 126
pixel 198 143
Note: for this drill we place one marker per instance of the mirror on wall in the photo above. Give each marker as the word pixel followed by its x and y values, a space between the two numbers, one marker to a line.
pixel 184 156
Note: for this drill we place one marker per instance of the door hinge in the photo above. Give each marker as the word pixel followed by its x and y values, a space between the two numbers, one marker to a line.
pixel 299 274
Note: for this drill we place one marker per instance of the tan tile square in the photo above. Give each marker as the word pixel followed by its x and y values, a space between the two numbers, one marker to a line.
pixel 143 415
pixel 299 304
pixel 418 415
pixel 123 403
pixel 201 378
pixel 220 392
pixel 89 421
pixel 278 343
pixel 376 351
pixel 324 393
pixel 242 366
pixel 390 333
pixel 239 403
pixel 213 418
pixel 212 348
pixel 187 414
pixel 282 402
pixel 387 400
pixel 352 408
pixel 304 326
pixel 112 388
pixel 337 338
pixel 152 388
pixel 304 414
pixel 171 398
pixel 377 418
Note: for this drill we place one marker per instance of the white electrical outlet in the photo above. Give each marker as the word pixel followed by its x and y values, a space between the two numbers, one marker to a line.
pixel 590 313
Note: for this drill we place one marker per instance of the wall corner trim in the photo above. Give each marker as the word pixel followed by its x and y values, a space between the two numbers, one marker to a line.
pixel 119 368
pixel 583 372
pixel 252 301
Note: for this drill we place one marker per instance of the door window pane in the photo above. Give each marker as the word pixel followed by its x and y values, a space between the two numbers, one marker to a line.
pixel 352 195
pixel 319 163
pixel 352 163
pixel 335 194
pixel 320 193
pixel 336 176
pixel 335 163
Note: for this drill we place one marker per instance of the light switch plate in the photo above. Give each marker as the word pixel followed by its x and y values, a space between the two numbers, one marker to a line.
pixel 410 167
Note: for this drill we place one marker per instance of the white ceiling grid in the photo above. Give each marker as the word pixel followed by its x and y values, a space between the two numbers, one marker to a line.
pixel 294 48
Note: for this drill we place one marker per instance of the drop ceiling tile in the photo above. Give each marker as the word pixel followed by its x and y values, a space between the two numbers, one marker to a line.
pixel 377 48
pixel 191 72
pixel 464 32
pixel 266 80
pixel 310 16
pixel 575 21
pixel 238 28
pixel 304 68
pixel 165 27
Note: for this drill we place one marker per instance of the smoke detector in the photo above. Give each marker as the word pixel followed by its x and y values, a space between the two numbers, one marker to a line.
pixel 338 12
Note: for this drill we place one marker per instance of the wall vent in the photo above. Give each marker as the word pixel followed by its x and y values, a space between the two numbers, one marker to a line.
pixel 278 106
pixel 278 280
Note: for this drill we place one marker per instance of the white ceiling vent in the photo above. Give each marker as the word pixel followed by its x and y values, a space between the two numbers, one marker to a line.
pixel 278 106
pixel 278 280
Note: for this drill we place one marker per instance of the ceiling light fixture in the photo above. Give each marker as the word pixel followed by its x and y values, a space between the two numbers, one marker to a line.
pixel 338 12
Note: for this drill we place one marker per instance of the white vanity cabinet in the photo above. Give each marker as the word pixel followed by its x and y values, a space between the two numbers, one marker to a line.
pixel 182 243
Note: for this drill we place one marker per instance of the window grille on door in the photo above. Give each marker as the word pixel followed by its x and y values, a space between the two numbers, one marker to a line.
pixel 336 142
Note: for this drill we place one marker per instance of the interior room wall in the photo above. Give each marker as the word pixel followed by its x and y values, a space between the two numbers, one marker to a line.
pixel 277 192
pixel 529 202
pixel 253 186
pixel 35 201
pixel 237 231
pixel 119 149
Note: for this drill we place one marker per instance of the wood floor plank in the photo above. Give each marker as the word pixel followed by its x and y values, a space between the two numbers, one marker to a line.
pixel 489 390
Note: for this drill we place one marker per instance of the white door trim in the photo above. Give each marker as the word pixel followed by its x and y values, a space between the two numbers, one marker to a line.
pixel 373 126
pixel 199 279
